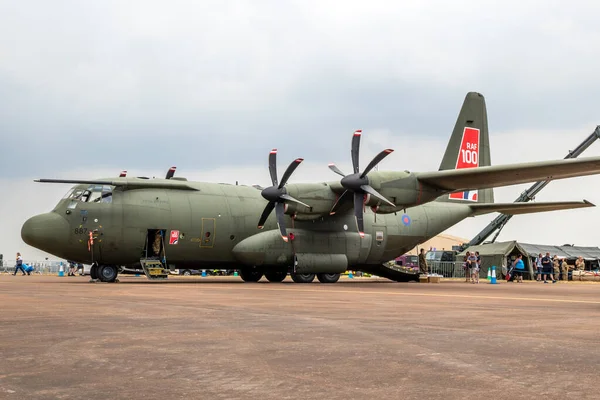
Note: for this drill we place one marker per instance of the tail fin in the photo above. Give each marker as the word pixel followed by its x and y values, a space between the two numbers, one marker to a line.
pixel 469 147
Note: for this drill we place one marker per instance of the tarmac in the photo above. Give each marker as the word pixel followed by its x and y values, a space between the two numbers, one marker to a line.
pixel 220 338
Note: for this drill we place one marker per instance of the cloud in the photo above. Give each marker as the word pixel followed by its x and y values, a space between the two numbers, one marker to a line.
pixel 212 86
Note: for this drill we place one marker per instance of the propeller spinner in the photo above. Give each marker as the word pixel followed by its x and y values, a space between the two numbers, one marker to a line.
pixel 358 183
pixel 276 195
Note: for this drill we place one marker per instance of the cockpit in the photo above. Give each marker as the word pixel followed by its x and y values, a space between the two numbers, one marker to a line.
pixel 91 194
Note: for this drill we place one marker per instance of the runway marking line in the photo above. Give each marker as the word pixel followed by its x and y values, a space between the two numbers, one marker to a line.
pixel 466 296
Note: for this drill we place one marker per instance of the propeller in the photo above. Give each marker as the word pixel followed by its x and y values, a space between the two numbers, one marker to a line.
pixel 123 174
pixel 277 195
pixel 358 182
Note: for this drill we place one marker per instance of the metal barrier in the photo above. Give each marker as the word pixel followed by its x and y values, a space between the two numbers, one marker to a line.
pixel 448 269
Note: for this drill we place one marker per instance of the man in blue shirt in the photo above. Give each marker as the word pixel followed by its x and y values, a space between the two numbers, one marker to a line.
pixel 547 268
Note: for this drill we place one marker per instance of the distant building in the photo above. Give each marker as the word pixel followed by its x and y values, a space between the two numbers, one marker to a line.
pixel 440 242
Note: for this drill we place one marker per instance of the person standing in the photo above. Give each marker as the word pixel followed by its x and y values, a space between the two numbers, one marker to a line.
pixel 466 266
pixel 547 268
pixel 539 267
pixel 519 268
pixel 564 270
pixel 556 268
pixel 473 261
pixel 478 263
pixel 580 267
pixel 423 263
pixel 19 265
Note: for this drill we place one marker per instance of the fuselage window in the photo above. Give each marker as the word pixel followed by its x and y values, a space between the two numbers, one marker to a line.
pixel 76 194
pixel 85 196
pixel 95 197
pixel 100 194
pixel 68 195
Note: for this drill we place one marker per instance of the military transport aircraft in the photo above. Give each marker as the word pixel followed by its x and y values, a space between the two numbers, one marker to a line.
pixel 359 222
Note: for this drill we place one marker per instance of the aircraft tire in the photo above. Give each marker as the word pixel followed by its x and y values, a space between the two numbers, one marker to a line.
pixel 94 271
pixel 108 273
pixel 275 276
pixel 250 274
pixel 303 278
pixel 328 278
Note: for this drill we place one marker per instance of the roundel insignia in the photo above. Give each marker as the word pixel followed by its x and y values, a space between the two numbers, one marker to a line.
pixel 406 220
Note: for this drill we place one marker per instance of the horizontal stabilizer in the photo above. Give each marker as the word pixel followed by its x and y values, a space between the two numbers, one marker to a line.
pixel 528 208
pixel 458 180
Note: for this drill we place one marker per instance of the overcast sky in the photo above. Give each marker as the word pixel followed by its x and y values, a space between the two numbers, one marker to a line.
pixel 88 88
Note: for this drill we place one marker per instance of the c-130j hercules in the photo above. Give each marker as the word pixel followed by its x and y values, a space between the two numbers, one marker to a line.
pixel 322 229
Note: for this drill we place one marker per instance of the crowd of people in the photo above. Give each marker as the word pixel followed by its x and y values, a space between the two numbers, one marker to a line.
pixel 552 268
pixel 547 269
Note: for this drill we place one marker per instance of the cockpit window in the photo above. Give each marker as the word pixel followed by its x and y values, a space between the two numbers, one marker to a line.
pixel 68 195
pixel 93 194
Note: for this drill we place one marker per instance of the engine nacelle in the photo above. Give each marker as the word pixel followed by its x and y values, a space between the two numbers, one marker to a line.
pixel 401 188
pixel 319 196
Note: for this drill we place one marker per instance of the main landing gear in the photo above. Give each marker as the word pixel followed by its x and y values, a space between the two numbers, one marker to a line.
pixel 328 278
pixel 303 278
pixel 251 274
pixel 104 273
pixel 254 274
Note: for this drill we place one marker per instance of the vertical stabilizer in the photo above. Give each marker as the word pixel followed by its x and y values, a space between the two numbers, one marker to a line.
pixel 469 147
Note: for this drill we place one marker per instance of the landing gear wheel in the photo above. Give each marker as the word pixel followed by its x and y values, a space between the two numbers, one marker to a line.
pixel 303 278
pixel 328 278
pixel 107 273
pixel 94 272
pixel 275 276
pixel 251 274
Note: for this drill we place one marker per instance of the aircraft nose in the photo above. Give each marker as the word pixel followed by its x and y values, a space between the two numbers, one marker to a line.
pixel 45 231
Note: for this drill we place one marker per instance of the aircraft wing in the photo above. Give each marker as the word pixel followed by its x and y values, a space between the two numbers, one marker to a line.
pixel 128 183
pixel 458 180
pixel 527 208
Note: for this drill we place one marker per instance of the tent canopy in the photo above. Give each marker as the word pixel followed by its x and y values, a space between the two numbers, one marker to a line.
pixel 569 252
pixel 498 255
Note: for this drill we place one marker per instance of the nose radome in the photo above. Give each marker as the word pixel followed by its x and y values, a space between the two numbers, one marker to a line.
pixel 45 231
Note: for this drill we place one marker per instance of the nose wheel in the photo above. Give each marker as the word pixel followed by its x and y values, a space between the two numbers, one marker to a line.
pixel 104 273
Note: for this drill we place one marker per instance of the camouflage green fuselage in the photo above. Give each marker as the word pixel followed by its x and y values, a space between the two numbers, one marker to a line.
pixel 217 226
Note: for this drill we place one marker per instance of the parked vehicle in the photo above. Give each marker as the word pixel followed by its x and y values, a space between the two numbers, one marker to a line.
pixel 408 261
pixel 441 255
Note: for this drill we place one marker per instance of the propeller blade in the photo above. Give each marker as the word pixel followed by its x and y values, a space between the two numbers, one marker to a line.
pixel 123 174
pixel 358 212
pixel 336 169
pixel 337 203
pixel 265 214
pixel 170 172
pixel 273 166
pixel 373 192
pixel 280 211
pixel 376 161
pixel 287 197
pixel 355 148
pixel 288 172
